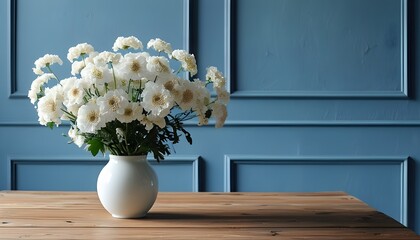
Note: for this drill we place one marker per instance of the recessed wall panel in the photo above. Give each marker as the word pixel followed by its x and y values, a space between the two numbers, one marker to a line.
pixel 319 48
pixel 55 176
pixel 81 175
pixel 378 181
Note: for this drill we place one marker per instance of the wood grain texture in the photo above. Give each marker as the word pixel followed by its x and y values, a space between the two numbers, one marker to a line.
pixel 79 215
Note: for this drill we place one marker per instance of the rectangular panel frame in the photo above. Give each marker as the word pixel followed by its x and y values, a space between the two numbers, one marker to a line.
pixel 232 160
pixel 15 161
pixel 231 68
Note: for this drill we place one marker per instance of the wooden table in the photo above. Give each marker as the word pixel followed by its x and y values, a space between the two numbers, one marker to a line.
pixel 79 215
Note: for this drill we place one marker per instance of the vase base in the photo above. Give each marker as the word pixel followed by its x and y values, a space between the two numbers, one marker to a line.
pixel 127 217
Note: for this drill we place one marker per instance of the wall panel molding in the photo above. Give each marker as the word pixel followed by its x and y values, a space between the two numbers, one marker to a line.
pixel 11 36
pixel 187 14
pixel 232 161
pixel 231 68
pixel 269 123
pixel 192 160
pixel 15 161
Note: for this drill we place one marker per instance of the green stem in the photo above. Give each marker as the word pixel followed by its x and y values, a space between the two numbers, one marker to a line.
pixel 179 70
pixel 125 139
pixel 83 58
pixel 129 85
pixel 115 144
pixel 113 74
pixel 51 71
pixel 72 117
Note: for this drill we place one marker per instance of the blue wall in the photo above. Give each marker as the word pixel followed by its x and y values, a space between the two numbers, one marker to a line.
pixel 324 95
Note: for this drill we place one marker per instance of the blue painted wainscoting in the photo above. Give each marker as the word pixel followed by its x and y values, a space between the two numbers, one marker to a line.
pixel 324 95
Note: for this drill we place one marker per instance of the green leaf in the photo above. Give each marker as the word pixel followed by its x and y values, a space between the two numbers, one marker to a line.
pixel 95 145
pixel 208 113
pixel 175 138
pixel 187 135
pixel 50 125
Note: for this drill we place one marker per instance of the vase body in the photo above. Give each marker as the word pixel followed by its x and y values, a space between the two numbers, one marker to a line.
pixel 127 186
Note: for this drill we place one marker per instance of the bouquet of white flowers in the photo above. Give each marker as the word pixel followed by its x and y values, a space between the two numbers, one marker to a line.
pixel 130 104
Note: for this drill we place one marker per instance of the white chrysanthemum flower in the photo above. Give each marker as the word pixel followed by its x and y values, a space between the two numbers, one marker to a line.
pixel 49 106
pixel 45 61
pixel 107 57
pixel 89 118
pixel 150 120
pixel 158 121
pixel 67 83
pixel 90 58
pixel 112 102
pixel 73 91
pixel 202 95
pixel 202 120
pixel 33 95
pixel 132 66
pixel 219 113
pixel 172 84
pixel 222 95
pixel 160 45
pixel 37 84
pixel 37 71
pixel 156 99
pixel 216 77
pixel 78 50
pixel 130 112
pixel 188 94
pixel 201 115
pixel 158 65
pixel 97 74
pixel 187 60
pixel 148 124
pixel 76 138
pixel 76 67
pixel 127 42
pixel 56 91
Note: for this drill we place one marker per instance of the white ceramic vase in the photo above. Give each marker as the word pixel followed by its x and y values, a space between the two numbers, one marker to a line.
pixel 127 186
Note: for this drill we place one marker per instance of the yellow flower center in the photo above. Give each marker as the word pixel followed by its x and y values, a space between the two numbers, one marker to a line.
pixel 97 73
pixel 158 100
pixel 93 116
pixel 74 92
pixel 113 103
pixel 135 66
pixel 187 96
pixel 51 105
pixel 169 85
pixel 128 112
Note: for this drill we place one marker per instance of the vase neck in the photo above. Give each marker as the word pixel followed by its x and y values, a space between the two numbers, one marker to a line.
pixel 128 158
